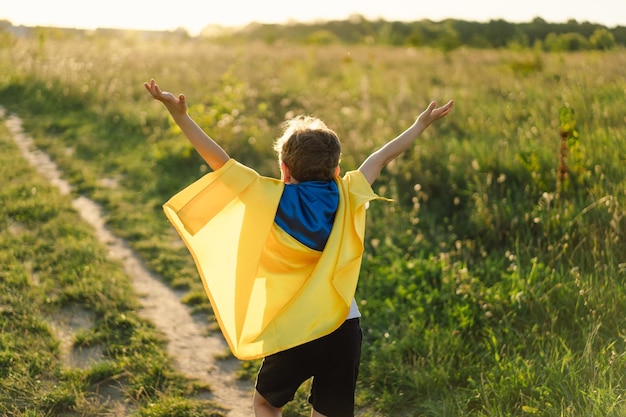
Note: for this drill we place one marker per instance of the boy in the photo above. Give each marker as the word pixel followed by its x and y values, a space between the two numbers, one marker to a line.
pixel 280 259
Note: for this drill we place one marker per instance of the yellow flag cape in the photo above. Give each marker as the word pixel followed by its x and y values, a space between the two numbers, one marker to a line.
pixel 268 291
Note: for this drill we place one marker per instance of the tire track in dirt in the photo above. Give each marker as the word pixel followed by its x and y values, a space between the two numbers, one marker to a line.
pixel 193 351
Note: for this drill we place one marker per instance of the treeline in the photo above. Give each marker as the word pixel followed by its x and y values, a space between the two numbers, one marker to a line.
pixel 447 34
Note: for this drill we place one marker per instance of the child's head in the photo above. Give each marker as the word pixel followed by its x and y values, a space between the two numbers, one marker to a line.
pixel 309 149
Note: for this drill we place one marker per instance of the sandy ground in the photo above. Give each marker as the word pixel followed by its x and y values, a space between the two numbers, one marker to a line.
pixel 193 351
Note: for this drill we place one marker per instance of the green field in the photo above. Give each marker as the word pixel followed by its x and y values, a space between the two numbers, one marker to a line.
pixel 492 286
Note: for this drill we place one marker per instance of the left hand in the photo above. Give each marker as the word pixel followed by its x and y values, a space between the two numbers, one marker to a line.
pixel 176 106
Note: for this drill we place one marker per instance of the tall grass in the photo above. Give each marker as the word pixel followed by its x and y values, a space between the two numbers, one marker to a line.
pixel 487 288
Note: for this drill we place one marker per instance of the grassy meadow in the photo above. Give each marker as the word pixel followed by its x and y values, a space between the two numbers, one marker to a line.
pixel 58 291
pixel 492 286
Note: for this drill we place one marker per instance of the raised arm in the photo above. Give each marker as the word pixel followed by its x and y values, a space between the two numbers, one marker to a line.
pixel 374 163
pixel 210 151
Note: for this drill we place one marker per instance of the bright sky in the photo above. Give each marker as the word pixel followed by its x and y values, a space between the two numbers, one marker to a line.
pixel 196 14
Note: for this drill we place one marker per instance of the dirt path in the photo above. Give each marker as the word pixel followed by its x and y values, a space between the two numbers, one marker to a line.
pixel 193 351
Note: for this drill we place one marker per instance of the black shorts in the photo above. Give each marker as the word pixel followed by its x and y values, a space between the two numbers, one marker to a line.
pixel 332 361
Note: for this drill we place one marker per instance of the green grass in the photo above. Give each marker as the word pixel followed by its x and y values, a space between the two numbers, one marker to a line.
pixel 53 267
pixel 488 288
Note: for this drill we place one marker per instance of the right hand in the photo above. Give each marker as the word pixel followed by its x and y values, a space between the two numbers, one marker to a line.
pixel 434 113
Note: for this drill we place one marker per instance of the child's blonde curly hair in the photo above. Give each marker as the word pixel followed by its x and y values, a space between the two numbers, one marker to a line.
pixel 310 149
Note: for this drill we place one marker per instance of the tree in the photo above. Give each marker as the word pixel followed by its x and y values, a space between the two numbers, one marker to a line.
pixel 566 42
pixel 602 39
pixel 499 32
pixel 322 37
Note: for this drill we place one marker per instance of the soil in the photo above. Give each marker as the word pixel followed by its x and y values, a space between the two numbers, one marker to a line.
pixel 194 352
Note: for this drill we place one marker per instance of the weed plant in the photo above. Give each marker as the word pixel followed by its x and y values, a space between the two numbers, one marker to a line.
pixel 492 286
